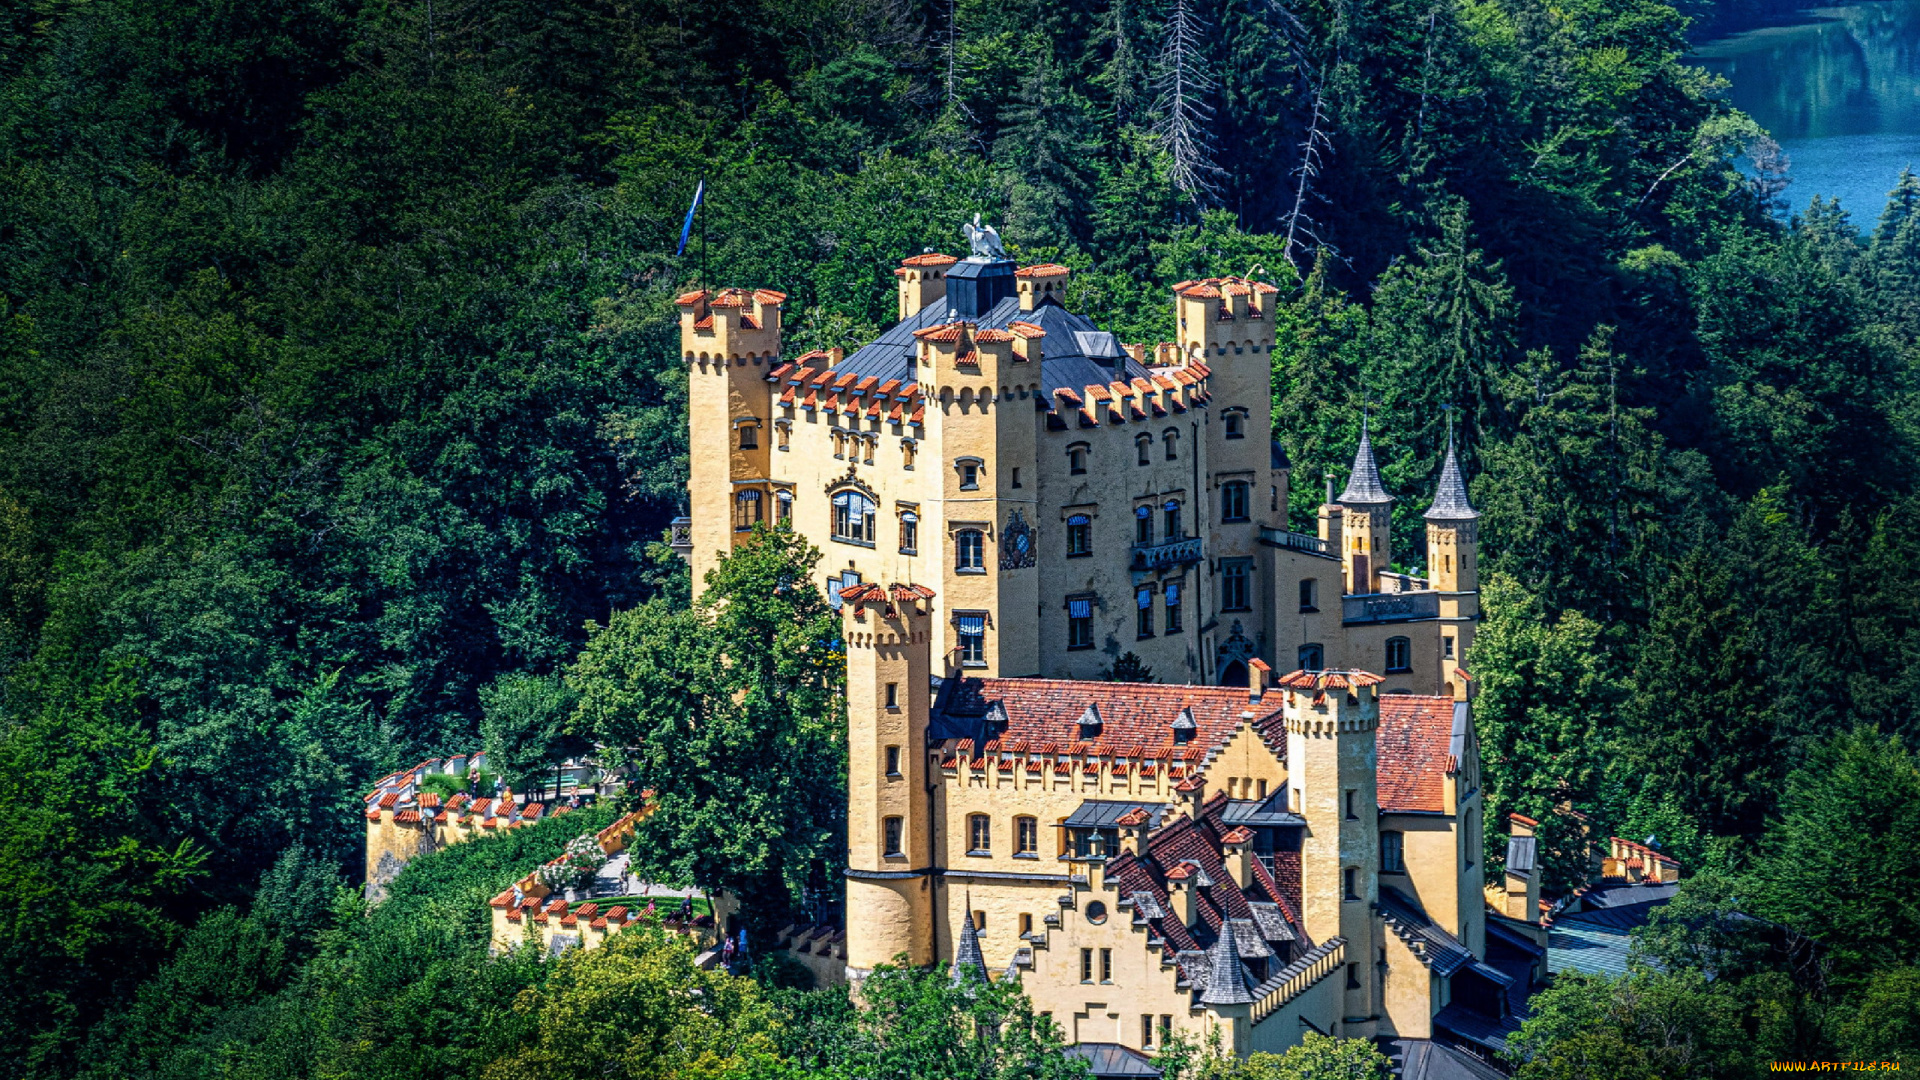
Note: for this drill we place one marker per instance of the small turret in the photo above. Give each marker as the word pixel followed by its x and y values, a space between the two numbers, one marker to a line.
pixel 1367 520
pixel 1226 975
pixel 968 961
pixel 1453 557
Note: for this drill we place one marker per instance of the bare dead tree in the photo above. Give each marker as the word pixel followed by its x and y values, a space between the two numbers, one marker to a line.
pixel 1312 155
pixel 1186 118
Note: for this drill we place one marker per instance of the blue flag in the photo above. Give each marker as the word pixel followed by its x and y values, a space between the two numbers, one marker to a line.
pixel 686 229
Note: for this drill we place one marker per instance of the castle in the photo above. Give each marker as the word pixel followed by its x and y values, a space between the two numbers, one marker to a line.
pixel 1008 500
pixel 1069 498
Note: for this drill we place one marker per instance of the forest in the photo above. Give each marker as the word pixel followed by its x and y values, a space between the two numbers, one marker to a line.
pixel 340 422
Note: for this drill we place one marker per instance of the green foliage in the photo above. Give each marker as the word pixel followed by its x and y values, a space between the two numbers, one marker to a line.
pixel 732 712
pixel 1128 667
pixel 1318 1057
pixel 1641 1027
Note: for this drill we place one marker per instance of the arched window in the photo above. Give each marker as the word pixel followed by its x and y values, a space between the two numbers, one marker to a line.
pixel 782 506
pixel 1026 836
pixel 1313 657
pixel 1077 460
pixel 1079 536
pixel 1236 425
pixel 979 834
pixel 853 518
pixel 1399 654
pixel 969 547
pixel 746 511
pixel 1143 448
pixel 1233 501
pixel 1143 524
pixel 1172 441
pixel 1172 509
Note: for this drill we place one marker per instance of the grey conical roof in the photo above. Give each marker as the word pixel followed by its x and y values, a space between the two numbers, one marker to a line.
pixel 1091 717
pixel 1450 498
pixel 1363 484
pixel 969 962
pixel 1184 722
pixel 1226 978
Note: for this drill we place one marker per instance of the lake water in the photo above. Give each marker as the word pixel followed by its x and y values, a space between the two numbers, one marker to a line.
pixel 1839 87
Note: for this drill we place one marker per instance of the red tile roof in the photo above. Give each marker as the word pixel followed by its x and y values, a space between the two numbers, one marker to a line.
pixel 1134 715
pixel 1412 745
pixel 1043 270
pixel 931 258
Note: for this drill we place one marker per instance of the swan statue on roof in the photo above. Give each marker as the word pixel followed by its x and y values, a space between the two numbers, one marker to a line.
pixel 982 238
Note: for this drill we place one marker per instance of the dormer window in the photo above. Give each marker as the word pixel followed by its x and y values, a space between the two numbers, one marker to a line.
pixel 1184 727
pixel 1090 723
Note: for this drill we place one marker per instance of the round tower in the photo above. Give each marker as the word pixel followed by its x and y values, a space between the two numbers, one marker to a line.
pixel 889 832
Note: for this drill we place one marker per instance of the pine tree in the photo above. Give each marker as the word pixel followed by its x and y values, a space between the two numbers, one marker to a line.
pixel 1893 259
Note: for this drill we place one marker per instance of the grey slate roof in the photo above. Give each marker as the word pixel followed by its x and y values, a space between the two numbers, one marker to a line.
pixel 1513 938
pixel 1101 813
pixel 1270 812
pixel 1363 484
pixel 1280 460
pixel 1476 1027
pixel 1613 896
pixel 1273 925
pixel 1106 1060
pixel 1520 854
pixel 1424 1059
pixel 1576 945
pixel 1450 498
pixel 1307 959
pixel 1227 982
pixel 1435 947
pixel 968 961
pixel 1063 363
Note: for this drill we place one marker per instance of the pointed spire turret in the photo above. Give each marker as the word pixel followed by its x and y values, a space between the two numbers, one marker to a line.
pixel 1363 484
pixel 1450 498
pixel 968 961
pixel 1226 976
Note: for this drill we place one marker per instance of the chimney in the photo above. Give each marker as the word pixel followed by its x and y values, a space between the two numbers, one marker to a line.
pixel 1259 678
pixel 835 355
pixel 1239 849
pixel 1133 830
pixel 1180 889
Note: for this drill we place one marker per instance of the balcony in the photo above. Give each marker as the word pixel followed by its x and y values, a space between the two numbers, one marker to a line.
pixel 1312 545
pixel 1389 607
pixel 1168 553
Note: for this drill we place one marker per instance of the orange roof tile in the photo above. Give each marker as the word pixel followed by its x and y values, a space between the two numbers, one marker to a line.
pixel 1026 329
pixel 1412 747
pixel 931 258
pixel 693 297
pixel 1043 270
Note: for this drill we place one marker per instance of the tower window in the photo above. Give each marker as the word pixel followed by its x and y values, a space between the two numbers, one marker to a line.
pixel 782 506
pixel 969 548
pixel 1233 501
pixel 1172 441
pixel 1313 657
pixel 1235 590
pixel 1016 476
pixel 969 475
pixel 1393 847
pixel 1446 646
pixel 893 757
pixel 749 437
pixel 853 518
pixel 1026 923
pixel 1172 604
pixel 1086 965
pixel 1143 618
pixel 971 632
pixel 1080 622
pixel 1077 460
pixel 893 699
pixel 979 834
pixel 891 831
pixel 1172 510
pixel 1350 881
pixel 1079 536
pixel 1026 836
pixel 1236 425
pixel 746 511
pixel 1399 655
pixel 1308 597
pixel 909 533
pixel 1353 972
pixel 1143 449
pixel 1143 525
pixel 1106 965
pixel 782 431
pixel 1352 799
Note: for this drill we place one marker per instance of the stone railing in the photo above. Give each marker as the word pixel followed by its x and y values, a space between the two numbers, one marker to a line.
pixel 1312 545
pixel 1293 980
pixel 1169 553
pixel 1389 607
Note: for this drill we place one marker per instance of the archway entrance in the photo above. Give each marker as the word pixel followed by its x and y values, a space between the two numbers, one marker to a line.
pixel 1234 674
